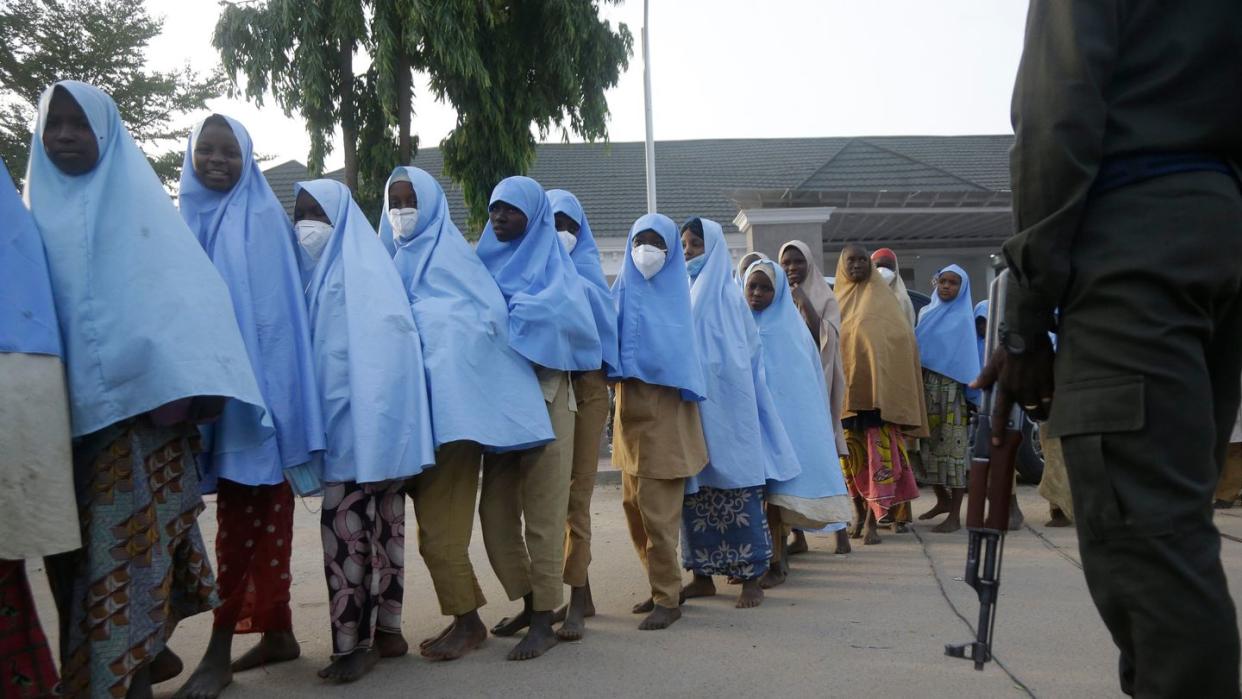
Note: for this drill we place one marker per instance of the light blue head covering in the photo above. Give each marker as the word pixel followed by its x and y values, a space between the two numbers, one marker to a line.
pixel 946 334
pixel 550 321
pixel 481 389
pixel 247 234
pixel 367 351
pixel 746 442
pixel 981 311
pixel 796 378
pixel 585 256
pixel 27 311
pixel 654 324
pixel 144 316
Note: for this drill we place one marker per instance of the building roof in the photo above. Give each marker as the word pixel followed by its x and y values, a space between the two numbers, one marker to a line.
pixel 713 178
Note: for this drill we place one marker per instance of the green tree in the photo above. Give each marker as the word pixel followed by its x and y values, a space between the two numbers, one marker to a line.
pixel 505 65
pixel 102 42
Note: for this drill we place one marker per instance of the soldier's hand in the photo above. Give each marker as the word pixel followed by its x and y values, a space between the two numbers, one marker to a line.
pixel 1026 379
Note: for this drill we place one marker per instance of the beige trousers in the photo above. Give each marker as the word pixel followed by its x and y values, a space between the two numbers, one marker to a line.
pixel 591 392
pixel 1231 478
pixel 530 487
pixel 653 512
pixel 444 499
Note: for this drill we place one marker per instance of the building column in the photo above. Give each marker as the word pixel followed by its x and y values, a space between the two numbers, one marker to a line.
pixel 768 229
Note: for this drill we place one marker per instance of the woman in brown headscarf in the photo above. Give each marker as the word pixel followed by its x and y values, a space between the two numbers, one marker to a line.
pixel 883 391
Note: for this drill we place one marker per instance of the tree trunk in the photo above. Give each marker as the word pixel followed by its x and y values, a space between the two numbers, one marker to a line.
pixel 349 115
pixel 404 108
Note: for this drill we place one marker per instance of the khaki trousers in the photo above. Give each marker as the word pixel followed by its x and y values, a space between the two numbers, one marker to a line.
pixel 444 499
pixel 653 512
pixel 591 392
pixel 530 487
pixel 1230 483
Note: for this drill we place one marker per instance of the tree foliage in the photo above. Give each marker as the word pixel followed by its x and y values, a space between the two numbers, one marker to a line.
pixel 102 42
pixel 505 65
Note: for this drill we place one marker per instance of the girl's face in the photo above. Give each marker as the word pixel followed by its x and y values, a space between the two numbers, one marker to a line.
pixel 564 222
pixel 217 157
pixel 401 196
pixel 857 264
pixel 759 292
pixel 508 221
pixel 650 237
pixel 307 208
pixel 794 264
pixel 948 286
pixel 67 135
pixel 692 245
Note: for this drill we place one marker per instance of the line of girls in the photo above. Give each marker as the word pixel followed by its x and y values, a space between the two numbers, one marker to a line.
pixel 165 353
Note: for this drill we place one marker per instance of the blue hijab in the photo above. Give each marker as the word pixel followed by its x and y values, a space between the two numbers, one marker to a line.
pixel 585 256
pixel 946 334
pixel 144 316
pixel 481 389
pixel 247 234
pixel 550 320
pixel 654 324
pixel 796 378
pixel 981 311
pixel 746 442
pixel 367 351
pixel 27 311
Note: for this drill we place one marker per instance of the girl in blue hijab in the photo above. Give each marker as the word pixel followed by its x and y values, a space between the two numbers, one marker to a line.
pixel 153 347
pixel 746 443
pixel 948 349
pixel 369 366
pixel 591 394
pixel 38 511
pixel 245 231
pixel 981 329
pixel 657 433
pixel 817 497
pixel 550 323
pixel 484 395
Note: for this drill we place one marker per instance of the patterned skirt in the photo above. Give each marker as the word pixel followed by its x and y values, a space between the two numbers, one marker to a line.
pixel 943 454
pixel 877 468
pixel 253 550
pixel 143 566
pixel 26 667
pixel 726 533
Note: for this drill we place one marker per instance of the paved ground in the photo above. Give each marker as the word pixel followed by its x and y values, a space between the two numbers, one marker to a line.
pixel 873 623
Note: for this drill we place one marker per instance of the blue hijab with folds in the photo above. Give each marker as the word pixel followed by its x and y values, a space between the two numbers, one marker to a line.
pixel 368 355
pixel 946 334
pixel 247 234
pixel 550 321
pixel 144 316
pixel 481 389
pixel 796 378
pixel 746 441
pixel 654 324
pixel 981 311
pixel 27 311
pixel 585 256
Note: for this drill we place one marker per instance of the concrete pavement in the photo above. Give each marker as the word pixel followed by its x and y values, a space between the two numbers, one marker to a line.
pixel 873 623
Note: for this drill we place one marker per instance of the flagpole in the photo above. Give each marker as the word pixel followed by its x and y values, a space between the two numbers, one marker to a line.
pixel 650 149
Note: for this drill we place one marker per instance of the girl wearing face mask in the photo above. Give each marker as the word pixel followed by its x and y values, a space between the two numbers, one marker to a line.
pixel 242 226
pixel 657 433
pixel 591 392
pixel 152 348
pixel 484 395
pixel 369 367
pixel 890 271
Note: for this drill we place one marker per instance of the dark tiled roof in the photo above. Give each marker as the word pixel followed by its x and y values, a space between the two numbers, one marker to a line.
pixel 697 177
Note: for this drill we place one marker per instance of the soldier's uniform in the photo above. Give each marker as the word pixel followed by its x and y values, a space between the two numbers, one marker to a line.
pixel 1128 117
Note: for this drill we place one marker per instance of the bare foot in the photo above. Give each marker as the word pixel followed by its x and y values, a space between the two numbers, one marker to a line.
pixel 644 607
pixel 701 587
pixel 581 607
pixel 660 618
pixel 799 544
pixel 1016 520
pixel 872 537
pixel 939 509
pixel 775 576
pixel 843 542
pixel 352 667
pixel 857 531
pixel 900 528
pixel 950 524
pixel 209 679
pixel 165 666
pixel 510 625
pixel 465 634
pixel 428 642
pixel 752 595
pixel 539 639
pixel 390 645
pixel 1058 519
pixel 274 647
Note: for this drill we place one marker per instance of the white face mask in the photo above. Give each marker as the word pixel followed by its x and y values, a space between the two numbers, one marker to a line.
pixel 648 259
pixel 403 221
pixel 569 240
pixel 313 236
pixel 887 274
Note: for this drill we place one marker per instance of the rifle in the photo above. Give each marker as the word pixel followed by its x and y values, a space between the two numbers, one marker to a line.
pixel 987 508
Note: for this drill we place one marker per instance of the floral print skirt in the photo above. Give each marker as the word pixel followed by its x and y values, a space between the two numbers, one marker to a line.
pixel 725 532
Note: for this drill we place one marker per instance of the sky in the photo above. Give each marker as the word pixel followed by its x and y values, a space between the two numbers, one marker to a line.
pixel 734 69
